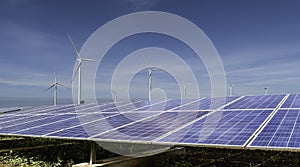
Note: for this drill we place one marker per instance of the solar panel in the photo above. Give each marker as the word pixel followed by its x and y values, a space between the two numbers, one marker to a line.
pixel 282 131
pixel 149 129
pixel 232 129
pixel 254 121
pixel 83 120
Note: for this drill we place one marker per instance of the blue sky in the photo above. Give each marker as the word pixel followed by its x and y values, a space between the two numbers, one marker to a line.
pixel 258 42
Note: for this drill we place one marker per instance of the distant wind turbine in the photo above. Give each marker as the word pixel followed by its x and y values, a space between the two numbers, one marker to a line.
pixel 230 89
pixel 150 81
pixel 266 90
pixel 185 85
pixel 150 70
pixel 54 85
pixel 78 69
pixel 115 95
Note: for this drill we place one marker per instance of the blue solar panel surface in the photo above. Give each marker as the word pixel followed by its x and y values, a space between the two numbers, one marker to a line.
pixel 293 101
pixel 233 128
pixel 267 121
pixel 153 127
pixel 283 131
pixel 207 103
pixel 257 102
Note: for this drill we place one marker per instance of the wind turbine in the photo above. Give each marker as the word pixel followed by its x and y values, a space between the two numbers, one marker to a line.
pixel 78 69
pixel 185 85
pixel 150 81
pixel 115 95
pixel 54 85
pixel 150 70
pixel 266 90
pixel 230 89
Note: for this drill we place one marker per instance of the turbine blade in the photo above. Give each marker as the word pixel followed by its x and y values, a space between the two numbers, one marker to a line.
pixel 74 46
pixel 91 60
pixel 63 85
pixel 50 87
pixel 55 76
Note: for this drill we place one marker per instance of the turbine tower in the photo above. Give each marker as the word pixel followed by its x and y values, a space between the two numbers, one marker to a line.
pixel 78 69
pixel 54 85
pixel 230 90
pixel 150 81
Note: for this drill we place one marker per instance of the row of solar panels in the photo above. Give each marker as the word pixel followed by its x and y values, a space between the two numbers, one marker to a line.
pixel 270 121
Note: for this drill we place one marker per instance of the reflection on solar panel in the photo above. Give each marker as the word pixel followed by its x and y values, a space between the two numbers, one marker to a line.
pixel 269 121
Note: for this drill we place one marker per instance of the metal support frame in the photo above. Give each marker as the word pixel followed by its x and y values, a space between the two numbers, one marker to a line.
pixel 93 153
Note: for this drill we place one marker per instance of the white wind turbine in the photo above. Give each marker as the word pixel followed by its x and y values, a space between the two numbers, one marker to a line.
pixel 78 69
pixel 150 70
pixel 150 81
pixel 185 85
pixel 230 89
pixel 266 90
pixel 115 95
pixel 54 85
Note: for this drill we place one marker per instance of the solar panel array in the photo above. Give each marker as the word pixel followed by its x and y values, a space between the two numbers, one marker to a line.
pixel 264 122
pixel 283 130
